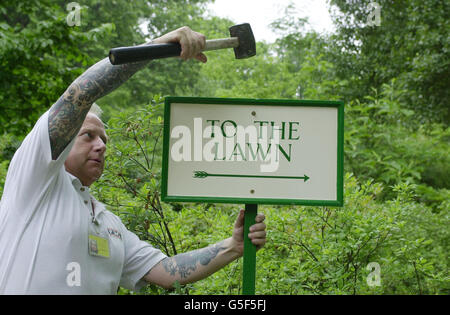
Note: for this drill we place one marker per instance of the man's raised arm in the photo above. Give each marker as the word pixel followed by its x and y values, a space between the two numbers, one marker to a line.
pixel 67 115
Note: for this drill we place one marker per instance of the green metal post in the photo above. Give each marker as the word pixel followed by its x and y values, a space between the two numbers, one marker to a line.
pixel 249 268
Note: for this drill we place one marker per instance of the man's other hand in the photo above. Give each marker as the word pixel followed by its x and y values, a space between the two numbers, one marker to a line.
pixel 257 233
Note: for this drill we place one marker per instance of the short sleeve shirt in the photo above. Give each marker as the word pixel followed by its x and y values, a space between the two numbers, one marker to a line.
pixel 55 238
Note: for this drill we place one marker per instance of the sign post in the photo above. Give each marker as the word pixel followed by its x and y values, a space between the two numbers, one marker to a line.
pixel 249 268
pixel 253 151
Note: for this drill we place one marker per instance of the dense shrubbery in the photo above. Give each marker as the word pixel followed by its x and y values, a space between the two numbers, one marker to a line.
pixel 311 250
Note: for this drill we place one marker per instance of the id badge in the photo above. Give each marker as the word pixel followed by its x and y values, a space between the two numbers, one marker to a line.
pixel 98 245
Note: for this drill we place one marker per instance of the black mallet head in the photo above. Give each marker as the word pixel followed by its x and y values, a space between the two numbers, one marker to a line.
pixel 247 46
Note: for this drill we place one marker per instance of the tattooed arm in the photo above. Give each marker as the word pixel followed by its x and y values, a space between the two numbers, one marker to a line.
pixel 199 264
pixel 67 115
pixel 192 266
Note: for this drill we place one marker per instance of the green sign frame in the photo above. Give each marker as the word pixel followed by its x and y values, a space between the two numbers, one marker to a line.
pixel 255 102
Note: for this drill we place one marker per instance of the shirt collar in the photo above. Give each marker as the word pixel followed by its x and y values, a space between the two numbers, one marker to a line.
pixel 75 181
pixel 99 207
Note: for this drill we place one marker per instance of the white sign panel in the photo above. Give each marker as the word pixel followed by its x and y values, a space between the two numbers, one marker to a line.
pixel 253 151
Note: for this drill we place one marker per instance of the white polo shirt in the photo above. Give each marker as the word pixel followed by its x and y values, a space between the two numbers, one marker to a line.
pixel 48 236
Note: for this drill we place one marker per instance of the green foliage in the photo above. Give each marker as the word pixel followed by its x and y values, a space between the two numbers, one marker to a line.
pixel 410 44
pixel 310 250
pixel 38 57
pixel 165 77
pixel 326 250
pixel 384 140
pixel 393 79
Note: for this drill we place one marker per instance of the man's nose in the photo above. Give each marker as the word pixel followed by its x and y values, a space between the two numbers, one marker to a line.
pixel 99 145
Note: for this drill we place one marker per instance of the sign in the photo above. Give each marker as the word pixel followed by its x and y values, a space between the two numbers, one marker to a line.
pixel 253 151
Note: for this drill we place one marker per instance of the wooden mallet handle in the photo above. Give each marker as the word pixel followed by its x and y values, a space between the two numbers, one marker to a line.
pixel 121 55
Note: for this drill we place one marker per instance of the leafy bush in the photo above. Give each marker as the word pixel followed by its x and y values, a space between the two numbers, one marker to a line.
pixel 310 250
pixel 384 141
pixel 397 161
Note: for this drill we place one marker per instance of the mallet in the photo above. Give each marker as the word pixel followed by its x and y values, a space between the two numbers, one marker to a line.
pixel 242 40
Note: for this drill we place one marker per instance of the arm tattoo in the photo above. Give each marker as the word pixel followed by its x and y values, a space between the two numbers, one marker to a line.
pixel 186 263
pixel 67 115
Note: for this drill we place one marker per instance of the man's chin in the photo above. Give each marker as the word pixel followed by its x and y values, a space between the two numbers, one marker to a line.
pixel 94 175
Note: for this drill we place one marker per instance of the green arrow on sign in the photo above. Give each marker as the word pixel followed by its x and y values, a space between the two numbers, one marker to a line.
pixel 203 174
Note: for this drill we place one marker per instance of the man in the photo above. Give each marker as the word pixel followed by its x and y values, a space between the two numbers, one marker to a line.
pixel 55 238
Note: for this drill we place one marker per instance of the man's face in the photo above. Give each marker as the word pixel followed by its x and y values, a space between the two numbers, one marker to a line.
pixel 87 157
